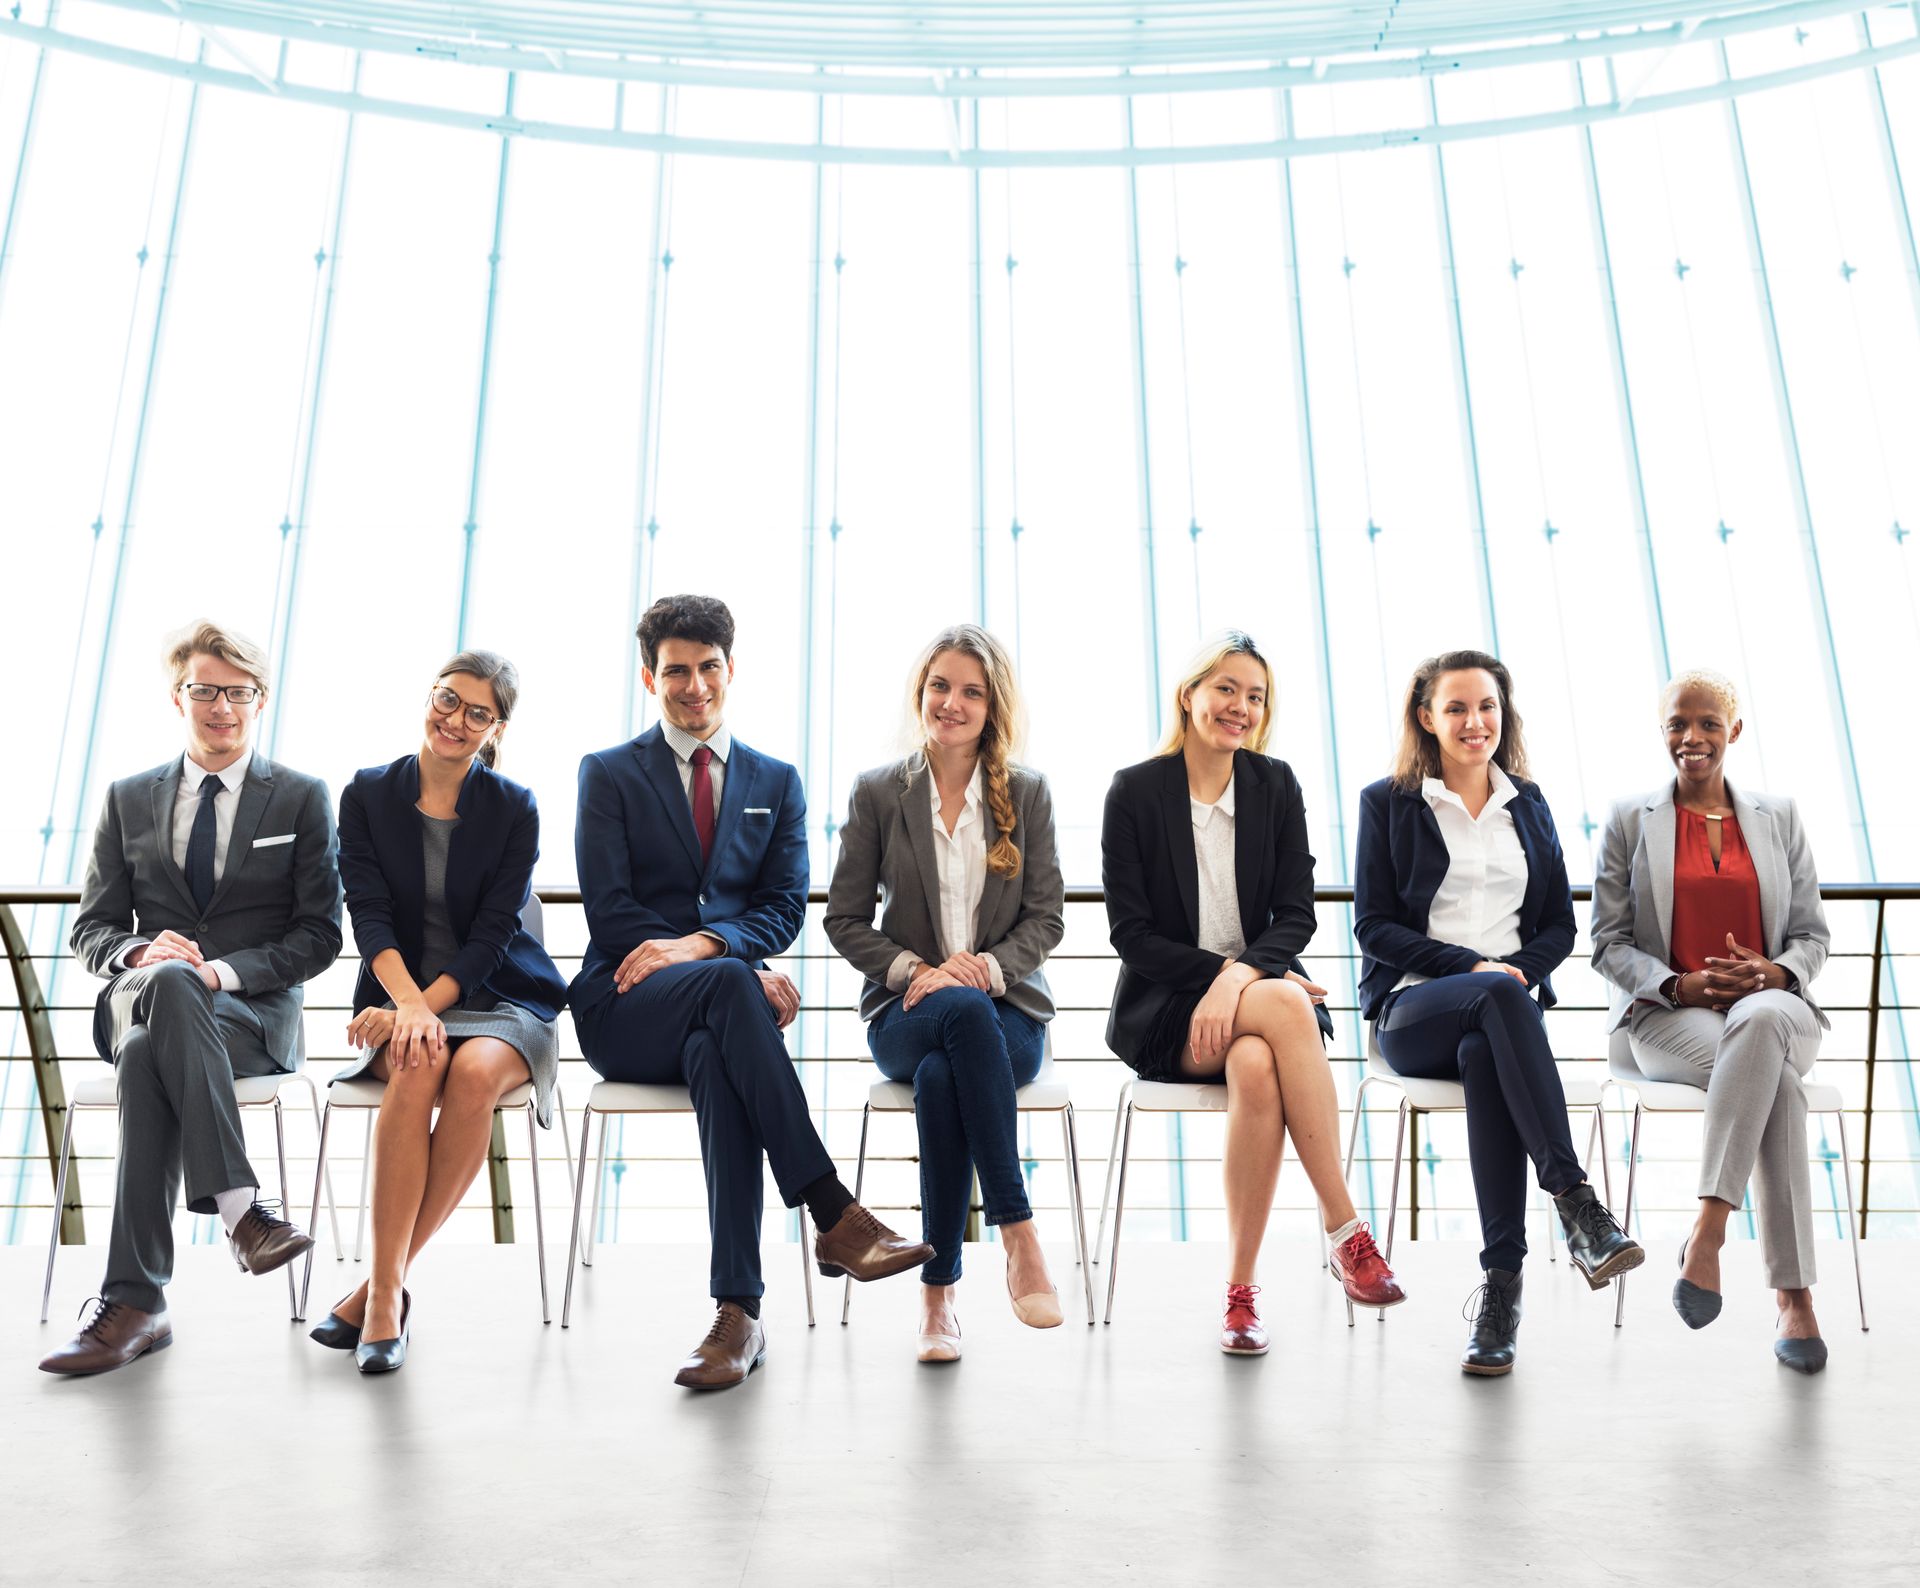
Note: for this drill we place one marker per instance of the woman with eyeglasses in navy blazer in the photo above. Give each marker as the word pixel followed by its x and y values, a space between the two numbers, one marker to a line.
pixel 1462 910
pixel 1209 889
pixel 457 1002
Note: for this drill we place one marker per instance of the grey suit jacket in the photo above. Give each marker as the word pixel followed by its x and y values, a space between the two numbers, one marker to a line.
pixel 1633 896
pixel 275 916
pixel 887 844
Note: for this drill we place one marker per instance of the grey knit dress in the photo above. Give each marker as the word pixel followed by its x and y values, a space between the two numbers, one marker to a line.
pixel 535 1040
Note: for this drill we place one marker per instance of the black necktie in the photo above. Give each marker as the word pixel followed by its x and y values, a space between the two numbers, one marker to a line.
pixel 200 844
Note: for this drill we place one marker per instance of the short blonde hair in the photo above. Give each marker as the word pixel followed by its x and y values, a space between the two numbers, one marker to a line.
pixel 1204 663
pixel 1708 682
pixel 209 639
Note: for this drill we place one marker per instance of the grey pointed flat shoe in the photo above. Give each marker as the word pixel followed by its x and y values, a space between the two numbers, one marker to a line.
pixel 1696 1305
pixel 1803 1356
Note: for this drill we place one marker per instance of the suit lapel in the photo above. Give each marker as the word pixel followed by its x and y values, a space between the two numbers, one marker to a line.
pixel 256 788
pixel 660 767
pixel 1252 829
pixel 1528 821
pixel 916 810
pixel 1756 827
pixel 1656 838
pixel 165 790
pixel 1177 811
pixel 735 785
pixel 995 891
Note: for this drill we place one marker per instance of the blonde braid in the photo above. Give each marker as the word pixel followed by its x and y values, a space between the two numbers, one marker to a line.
pixel 1004 858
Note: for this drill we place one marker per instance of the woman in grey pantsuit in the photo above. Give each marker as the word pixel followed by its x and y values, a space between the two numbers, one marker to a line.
pixel 1707 920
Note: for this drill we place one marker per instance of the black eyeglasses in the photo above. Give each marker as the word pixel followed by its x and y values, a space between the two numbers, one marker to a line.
pixel 446 702
pixel 238 694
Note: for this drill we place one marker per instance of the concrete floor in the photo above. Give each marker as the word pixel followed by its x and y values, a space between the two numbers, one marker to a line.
pixel 510 1453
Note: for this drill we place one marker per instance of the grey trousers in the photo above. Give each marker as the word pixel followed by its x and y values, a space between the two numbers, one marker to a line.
pixel 177 1049
pixel 1750 1062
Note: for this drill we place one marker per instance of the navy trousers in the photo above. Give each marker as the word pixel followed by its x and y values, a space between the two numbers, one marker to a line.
pixel 1486 1031
pixel 965 1055
pixel 708 1027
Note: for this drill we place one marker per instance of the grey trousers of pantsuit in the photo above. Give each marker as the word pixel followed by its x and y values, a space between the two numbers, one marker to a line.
pixel 177 1047
pixel 1750 1062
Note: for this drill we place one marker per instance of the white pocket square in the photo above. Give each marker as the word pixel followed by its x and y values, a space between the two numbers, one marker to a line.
pixel 265 843
pixel 758 810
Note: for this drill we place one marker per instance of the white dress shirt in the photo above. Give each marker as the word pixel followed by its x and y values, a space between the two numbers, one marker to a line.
pixel 960 859
pixel 1213 830
pixel 1478 901
pixel 683 744
pixel 186 806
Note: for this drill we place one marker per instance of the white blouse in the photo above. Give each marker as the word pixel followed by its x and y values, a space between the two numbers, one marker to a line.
pixel 1213 827
pixel 1478 902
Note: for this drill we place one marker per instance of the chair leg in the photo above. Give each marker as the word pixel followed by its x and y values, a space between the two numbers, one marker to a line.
pixel 366 1183
pixel 539 1214
pixel 859 1185
pixel 1626 1213
pixel 333 1210
pixel 579 1202
pixel 1393 1206
pixel 286 1204
pixel 1606 1162
pixel 59 1210
pixel 1853 1223
pixel 1346 1167
pixel 566 1141
pixel 1119 1204
pixel 1079 1208
pixel 599 1193
pixel 806 1267
pixel 320 1176
pixel 1106 1185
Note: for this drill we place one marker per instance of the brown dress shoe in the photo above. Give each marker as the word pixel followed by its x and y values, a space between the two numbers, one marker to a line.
pixel 733 1348
pixel 263 1241
pixel 862 1246
pixel 111 1338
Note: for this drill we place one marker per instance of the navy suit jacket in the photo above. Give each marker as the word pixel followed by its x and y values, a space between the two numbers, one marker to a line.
pixel 1401 863
pixel 640 871
pixel 489 879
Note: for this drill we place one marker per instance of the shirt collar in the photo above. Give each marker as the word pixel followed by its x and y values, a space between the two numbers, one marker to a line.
pixel 973 795
pixel 193 774
pixel 1203 813
pixel 683 744
pixel 1505 791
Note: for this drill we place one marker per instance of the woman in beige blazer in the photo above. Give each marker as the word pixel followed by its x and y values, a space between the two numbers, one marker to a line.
pixel 1707 921
pixel 958 842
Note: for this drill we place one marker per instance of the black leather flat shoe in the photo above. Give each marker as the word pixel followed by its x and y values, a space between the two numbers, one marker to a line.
pixel 1600 1249
pixel 335 1333
pixel 386 1356
pixel 1495 1311
pixel 1696 1305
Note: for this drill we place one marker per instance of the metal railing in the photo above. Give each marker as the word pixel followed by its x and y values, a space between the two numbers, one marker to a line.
pixel 35 1015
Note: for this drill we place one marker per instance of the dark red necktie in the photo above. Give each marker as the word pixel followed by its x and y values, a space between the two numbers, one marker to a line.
pixel 703 802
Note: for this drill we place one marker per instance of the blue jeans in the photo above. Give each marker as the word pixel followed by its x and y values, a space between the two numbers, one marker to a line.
pixel 965 1055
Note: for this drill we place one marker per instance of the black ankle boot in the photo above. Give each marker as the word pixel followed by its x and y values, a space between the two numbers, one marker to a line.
pixel 1595 1241
pixel 1495 1311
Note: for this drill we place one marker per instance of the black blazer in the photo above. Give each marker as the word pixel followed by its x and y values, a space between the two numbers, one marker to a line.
pixel 489 879
pixel 1403 860
pixel 1152 883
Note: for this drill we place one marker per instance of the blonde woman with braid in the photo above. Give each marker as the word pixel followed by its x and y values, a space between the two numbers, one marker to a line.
pixel 958 842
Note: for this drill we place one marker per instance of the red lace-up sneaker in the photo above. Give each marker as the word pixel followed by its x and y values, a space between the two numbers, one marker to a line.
pixel 1363 1273
pixel 1241 1331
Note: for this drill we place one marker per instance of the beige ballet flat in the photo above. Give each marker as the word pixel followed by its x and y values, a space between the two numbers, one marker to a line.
pixel 941 1347
pixel 1041 1310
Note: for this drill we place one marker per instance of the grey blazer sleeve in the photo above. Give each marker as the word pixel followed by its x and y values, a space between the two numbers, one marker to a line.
pixel 1037 931
pixel 103 930
pixel 856 882
pixel 1615 955
pixel 312 940
pixel 1806 934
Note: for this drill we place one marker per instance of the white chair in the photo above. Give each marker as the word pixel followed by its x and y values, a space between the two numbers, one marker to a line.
pixel 366 1095
pixel 1042 1095
pixel 252 1091
pixel 1675 1097
pixel 627 1097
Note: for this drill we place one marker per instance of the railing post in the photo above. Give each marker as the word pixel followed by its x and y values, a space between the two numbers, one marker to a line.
pixel 1873 1052
pixel 46 1074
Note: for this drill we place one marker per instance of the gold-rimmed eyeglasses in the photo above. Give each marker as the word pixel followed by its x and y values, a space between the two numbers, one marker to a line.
pixel 447 702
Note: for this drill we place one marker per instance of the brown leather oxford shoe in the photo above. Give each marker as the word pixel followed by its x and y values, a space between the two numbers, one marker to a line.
pixel 111 1338
pixel 733 1348
pixel 862 1246
pixel 263 1241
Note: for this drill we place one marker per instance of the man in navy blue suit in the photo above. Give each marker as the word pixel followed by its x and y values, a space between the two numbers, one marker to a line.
pixel 692 857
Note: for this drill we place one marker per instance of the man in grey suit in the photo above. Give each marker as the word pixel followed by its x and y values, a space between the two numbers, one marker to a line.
pixel 212 893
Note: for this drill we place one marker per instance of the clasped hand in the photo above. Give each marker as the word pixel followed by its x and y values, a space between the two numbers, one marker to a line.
pixel 171 945
pixel 1211 1030
pixel 1725 981
pixel 657 953
pixel 957 970
pixel 411 1034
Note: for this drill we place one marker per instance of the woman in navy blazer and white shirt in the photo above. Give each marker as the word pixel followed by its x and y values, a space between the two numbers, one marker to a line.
pixel 1462 909
pixel 456 1002
pixel 1209 888
pixel 959 843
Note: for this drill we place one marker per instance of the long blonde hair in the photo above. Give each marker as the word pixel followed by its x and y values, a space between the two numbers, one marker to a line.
pixel 1202 666
pixel 1000 738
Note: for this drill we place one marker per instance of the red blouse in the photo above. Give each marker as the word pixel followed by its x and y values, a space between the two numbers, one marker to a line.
pixel 1710 902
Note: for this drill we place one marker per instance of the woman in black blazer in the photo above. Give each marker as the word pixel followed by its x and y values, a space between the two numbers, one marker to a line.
pixel 1209 891
pixel 1462 909
pixel 457 1003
